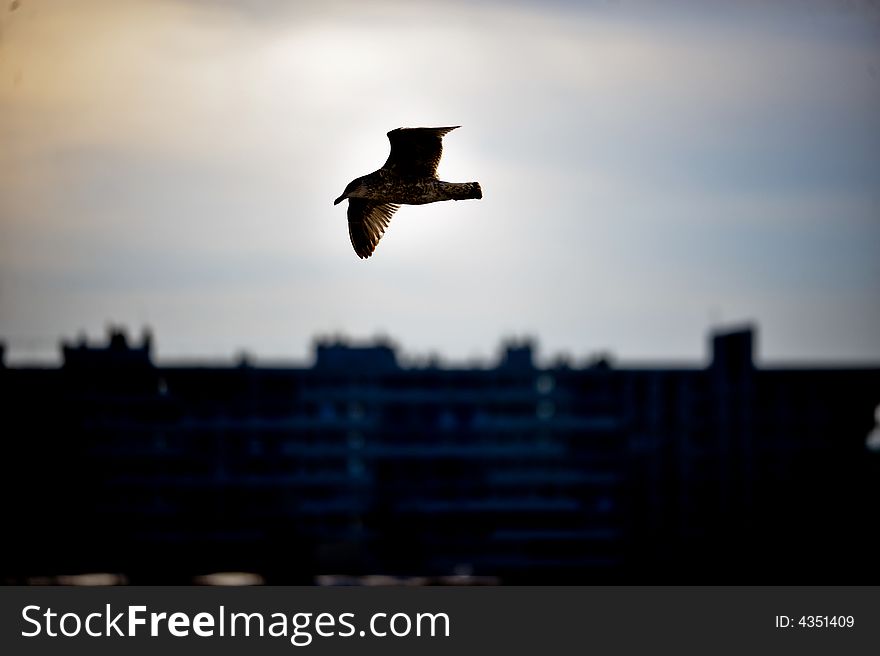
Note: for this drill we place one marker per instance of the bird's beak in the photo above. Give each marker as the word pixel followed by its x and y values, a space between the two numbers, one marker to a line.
pixel 339 200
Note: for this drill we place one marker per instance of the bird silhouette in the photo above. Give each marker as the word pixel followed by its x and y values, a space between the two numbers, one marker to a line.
pixel 408 177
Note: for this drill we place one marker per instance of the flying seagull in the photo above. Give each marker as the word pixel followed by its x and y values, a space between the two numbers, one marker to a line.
pixel 409 177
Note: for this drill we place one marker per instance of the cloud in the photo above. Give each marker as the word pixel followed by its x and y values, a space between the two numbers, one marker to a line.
pixel 176 162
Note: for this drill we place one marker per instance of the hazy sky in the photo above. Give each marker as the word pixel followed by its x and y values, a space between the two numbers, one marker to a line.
pixel 649 170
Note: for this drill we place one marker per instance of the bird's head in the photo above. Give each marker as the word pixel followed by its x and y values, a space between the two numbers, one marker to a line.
pixel 355 189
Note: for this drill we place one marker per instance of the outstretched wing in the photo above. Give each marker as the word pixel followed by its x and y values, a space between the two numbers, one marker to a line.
pixel 416 151
pixel 367 221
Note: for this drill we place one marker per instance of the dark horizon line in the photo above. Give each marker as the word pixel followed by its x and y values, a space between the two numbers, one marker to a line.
pixel 601 357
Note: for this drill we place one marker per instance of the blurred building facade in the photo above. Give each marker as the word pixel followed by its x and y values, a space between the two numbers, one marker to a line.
pixel 357 465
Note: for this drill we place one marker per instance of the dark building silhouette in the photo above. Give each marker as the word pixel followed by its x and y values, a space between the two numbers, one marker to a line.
pixel 357 465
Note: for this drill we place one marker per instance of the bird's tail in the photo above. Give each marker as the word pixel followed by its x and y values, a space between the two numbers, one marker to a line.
pixel 463 190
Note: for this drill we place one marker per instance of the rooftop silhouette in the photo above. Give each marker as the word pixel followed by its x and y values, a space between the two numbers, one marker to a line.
pixel 515 473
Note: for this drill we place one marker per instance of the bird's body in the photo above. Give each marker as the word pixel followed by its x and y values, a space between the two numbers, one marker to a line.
pixel 409 177
pixel 385 186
